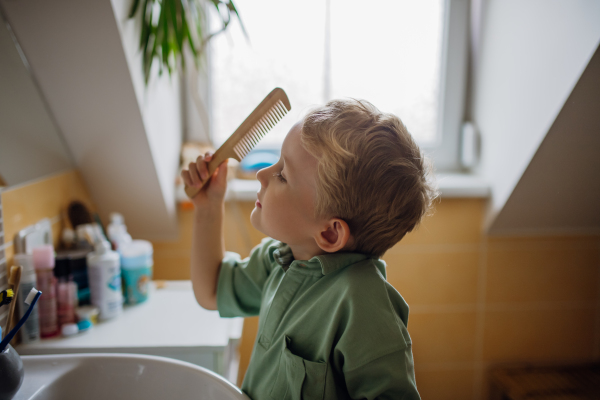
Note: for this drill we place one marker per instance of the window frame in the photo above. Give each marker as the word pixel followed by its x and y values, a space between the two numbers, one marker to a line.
pixel 445 149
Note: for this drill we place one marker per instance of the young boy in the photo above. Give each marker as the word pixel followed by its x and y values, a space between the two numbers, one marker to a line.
pixel 350 183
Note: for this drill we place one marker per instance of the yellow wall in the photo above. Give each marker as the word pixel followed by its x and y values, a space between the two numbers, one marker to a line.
pixel 474 300
pixel 27 204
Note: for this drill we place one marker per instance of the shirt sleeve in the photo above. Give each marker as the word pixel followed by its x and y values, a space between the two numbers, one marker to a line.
pixel 385 378
pixel 241 282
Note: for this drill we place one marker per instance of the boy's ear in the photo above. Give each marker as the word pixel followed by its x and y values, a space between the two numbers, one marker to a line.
pixel 333 236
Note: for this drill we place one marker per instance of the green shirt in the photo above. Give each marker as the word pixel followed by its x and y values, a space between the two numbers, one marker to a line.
pixel 331 327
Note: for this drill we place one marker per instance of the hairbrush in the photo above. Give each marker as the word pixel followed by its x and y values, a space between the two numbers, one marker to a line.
pixel 264 117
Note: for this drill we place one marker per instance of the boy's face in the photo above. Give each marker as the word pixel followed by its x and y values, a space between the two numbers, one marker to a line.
pixel 286 200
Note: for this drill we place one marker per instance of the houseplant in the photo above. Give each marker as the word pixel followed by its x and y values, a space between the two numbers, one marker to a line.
pixel 168 25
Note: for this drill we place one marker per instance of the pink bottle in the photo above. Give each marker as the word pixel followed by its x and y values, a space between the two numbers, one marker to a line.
pixel 43 261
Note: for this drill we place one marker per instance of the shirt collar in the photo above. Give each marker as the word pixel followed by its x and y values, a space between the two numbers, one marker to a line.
pixel 336 261
pixel 283 255
pixel 328 262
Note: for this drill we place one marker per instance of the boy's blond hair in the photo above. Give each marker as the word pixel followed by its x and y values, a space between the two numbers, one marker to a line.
pixel 371 173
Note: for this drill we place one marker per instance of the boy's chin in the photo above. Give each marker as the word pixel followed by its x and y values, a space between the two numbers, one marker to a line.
pixel 256 223
pixel 255 220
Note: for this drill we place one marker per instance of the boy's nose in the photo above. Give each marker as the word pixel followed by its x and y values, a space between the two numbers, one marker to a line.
pixel 261 175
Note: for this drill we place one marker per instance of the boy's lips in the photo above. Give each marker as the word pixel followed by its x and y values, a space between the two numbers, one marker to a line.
pixel 258 202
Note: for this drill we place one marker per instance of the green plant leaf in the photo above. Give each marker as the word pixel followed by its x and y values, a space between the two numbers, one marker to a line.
pixel 179 22
pixel 177 28
pixel 165 37
pixel 134 7
pixel 190 40
pixel 232 7
pixel 146 11
pixel 154 53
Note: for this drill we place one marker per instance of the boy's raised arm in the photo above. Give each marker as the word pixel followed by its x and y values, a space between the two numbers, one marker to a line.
pixel 208 243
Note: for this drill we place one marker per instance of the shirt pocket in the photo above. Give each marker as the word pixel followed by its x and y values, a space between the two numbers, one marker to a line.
pixel 297 378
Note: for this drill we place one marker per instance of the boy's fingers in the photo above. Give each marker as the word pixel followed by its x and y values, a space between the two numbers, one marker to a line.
pixel 193 171
pixel 202 165
pixel 203 172
pixel 185 175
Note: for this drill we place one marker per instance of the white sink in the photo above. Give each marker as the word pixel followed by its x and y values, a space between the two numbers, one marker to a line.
pixel 120 376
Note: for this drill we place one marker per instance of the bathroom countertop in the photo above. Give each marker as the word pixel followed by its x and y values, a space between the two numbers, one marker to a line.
pixel 170 319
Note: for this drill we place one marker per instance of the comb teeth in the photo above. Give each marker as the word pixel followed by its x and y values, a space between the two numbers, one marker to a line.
pixel 260 129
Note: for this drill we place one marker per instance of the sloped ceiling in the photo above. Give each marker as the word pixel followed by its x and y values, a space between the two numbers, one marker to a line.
pixel 531 56
pixel 559 192
pixel 127 157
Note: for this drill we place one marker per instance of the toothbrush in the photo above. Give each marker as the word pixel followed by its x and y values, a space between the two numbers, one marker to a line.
pixel 13 283
pixel 31 299
pixel 6 296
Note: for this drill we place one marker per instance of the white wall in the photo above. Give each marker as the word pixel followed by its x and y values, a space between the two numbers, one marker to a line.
pixel 531 55
pixel 123 140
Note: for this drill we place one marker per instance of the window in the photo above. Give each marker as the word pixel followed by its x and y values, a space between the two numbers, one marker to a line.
pixel 392 53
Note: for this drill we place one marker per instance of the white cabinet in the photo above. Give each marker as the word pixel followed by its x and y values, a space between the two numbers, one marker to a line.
pixel 169 324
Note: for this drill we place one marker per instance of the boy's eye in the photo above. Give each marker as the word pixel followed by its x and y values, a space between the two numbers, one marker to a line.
pixel 280 177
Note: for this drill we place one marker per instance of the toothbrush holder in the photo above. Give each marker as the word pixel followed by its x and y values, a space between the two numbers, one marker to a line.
pixel 11 373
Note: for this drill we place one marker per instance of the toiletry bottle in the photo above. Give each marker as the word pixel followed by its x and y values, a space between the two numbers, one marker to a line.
pixel 66 291
pixel 43 261
pixel 78 269
pixel 84 238
pixel 136 268
pixel 105 280
pixel 117 231
pixel 30 331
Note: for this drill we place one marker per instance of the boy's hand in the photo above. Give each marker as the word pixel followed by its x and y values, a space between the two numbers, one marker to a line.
pixel 212 192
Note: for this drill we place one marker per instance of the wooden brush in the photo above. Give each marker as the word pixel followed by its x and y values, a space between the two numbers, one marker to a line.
pixel 13 283
pixel 264 117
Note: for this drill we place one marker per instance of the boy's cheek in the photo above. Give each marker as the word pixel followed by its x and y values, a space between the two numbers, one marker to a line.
pixel 259 221
pixel 254 219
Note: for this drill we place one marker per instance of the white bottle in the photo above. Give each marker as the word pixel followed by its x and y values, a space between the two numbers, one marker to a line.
pixel 104 274
pixel 117 231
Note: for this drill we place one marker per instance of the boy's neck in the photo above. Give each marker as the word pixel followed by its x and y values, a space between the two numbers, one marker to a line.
pixel 310 250
pixel 305 253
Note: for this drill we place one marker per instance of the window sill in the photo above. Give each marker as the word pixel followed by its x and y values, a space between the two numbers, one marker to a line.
pixel 457 185
pixel 450 185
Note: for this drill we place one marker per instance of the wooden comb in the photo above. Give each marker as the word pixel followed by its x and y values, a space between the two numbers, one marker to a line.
pixel 264 117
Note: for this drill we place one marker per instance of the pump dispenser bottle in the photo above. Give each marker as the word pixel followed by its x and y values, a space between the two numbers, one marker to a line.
pixel 117 232
pixel 43 261
pixel 104 269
